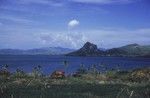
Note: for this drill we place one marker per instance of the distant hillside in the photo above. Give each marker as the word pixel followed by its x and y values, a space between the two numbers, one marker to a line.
pixel 88 49
pixel 42 51
pixel 132 50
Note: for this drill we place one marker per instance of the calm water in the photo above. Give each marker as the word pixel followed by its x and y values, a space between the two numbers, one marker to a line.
pixel 51 63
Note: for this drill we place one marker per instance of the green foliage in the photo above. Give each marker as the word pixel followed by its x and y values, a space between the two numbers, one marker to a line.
pixel 110 74
pixel 75 91
pixel 19 74
pixel 37 72
pixel 4 73
pixel 140 75
pixel 111 84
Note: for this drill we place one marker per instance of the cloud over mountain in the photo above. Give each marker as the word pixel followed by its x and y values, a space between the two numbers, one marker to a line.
pixel 74 40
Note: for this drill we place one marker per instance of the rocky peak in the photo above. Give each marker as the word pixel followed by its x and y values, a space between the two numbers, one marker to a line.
pixel 89 46
pixel 88 49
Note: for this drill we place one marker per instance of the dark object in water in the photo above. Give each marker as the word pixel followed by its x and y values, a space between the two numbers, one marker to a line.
pixel 58 75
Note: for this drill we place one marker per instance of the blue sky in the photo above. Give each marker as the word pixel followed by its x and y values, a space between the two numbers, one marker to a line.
pixel 26 24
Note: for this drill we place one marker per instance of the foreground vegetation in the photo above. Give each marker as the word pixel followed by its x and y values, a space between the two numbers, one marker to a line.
pixel 85 84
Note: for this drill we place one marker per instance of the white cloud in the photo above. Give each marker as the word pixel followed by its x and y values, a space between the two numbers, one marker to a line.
pixel 15 19
pixel 73 23
pixel 103 1
pixel 75 40
pixel 110 38
pixel 43 2
pixel 60 3
pixel 104 38
pixel 34 1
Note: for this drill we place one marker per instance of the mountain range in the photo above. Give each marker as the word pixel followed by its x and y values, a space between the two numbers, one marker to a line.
pixel 132 50
pixel 88 49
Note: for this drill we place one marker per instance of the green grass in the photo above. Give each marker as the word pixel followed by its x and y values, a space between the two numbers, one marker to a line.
pixel 107 85
pixel 71 88
pixel 74 91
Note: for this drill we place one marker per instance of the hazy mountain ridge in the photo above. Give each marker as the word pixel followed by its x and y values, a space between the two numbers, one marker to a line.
pixel 42 51
pixel 88 49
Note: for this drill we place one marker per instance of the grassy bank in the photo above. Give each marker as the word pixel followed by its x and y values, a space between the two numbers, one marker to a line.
pixel 111 84
pixel 72 88
pixel 77 91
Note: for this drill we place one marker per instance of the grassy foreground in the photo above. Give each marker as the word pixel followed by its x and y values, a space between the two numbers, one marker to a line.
pixel 112 84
